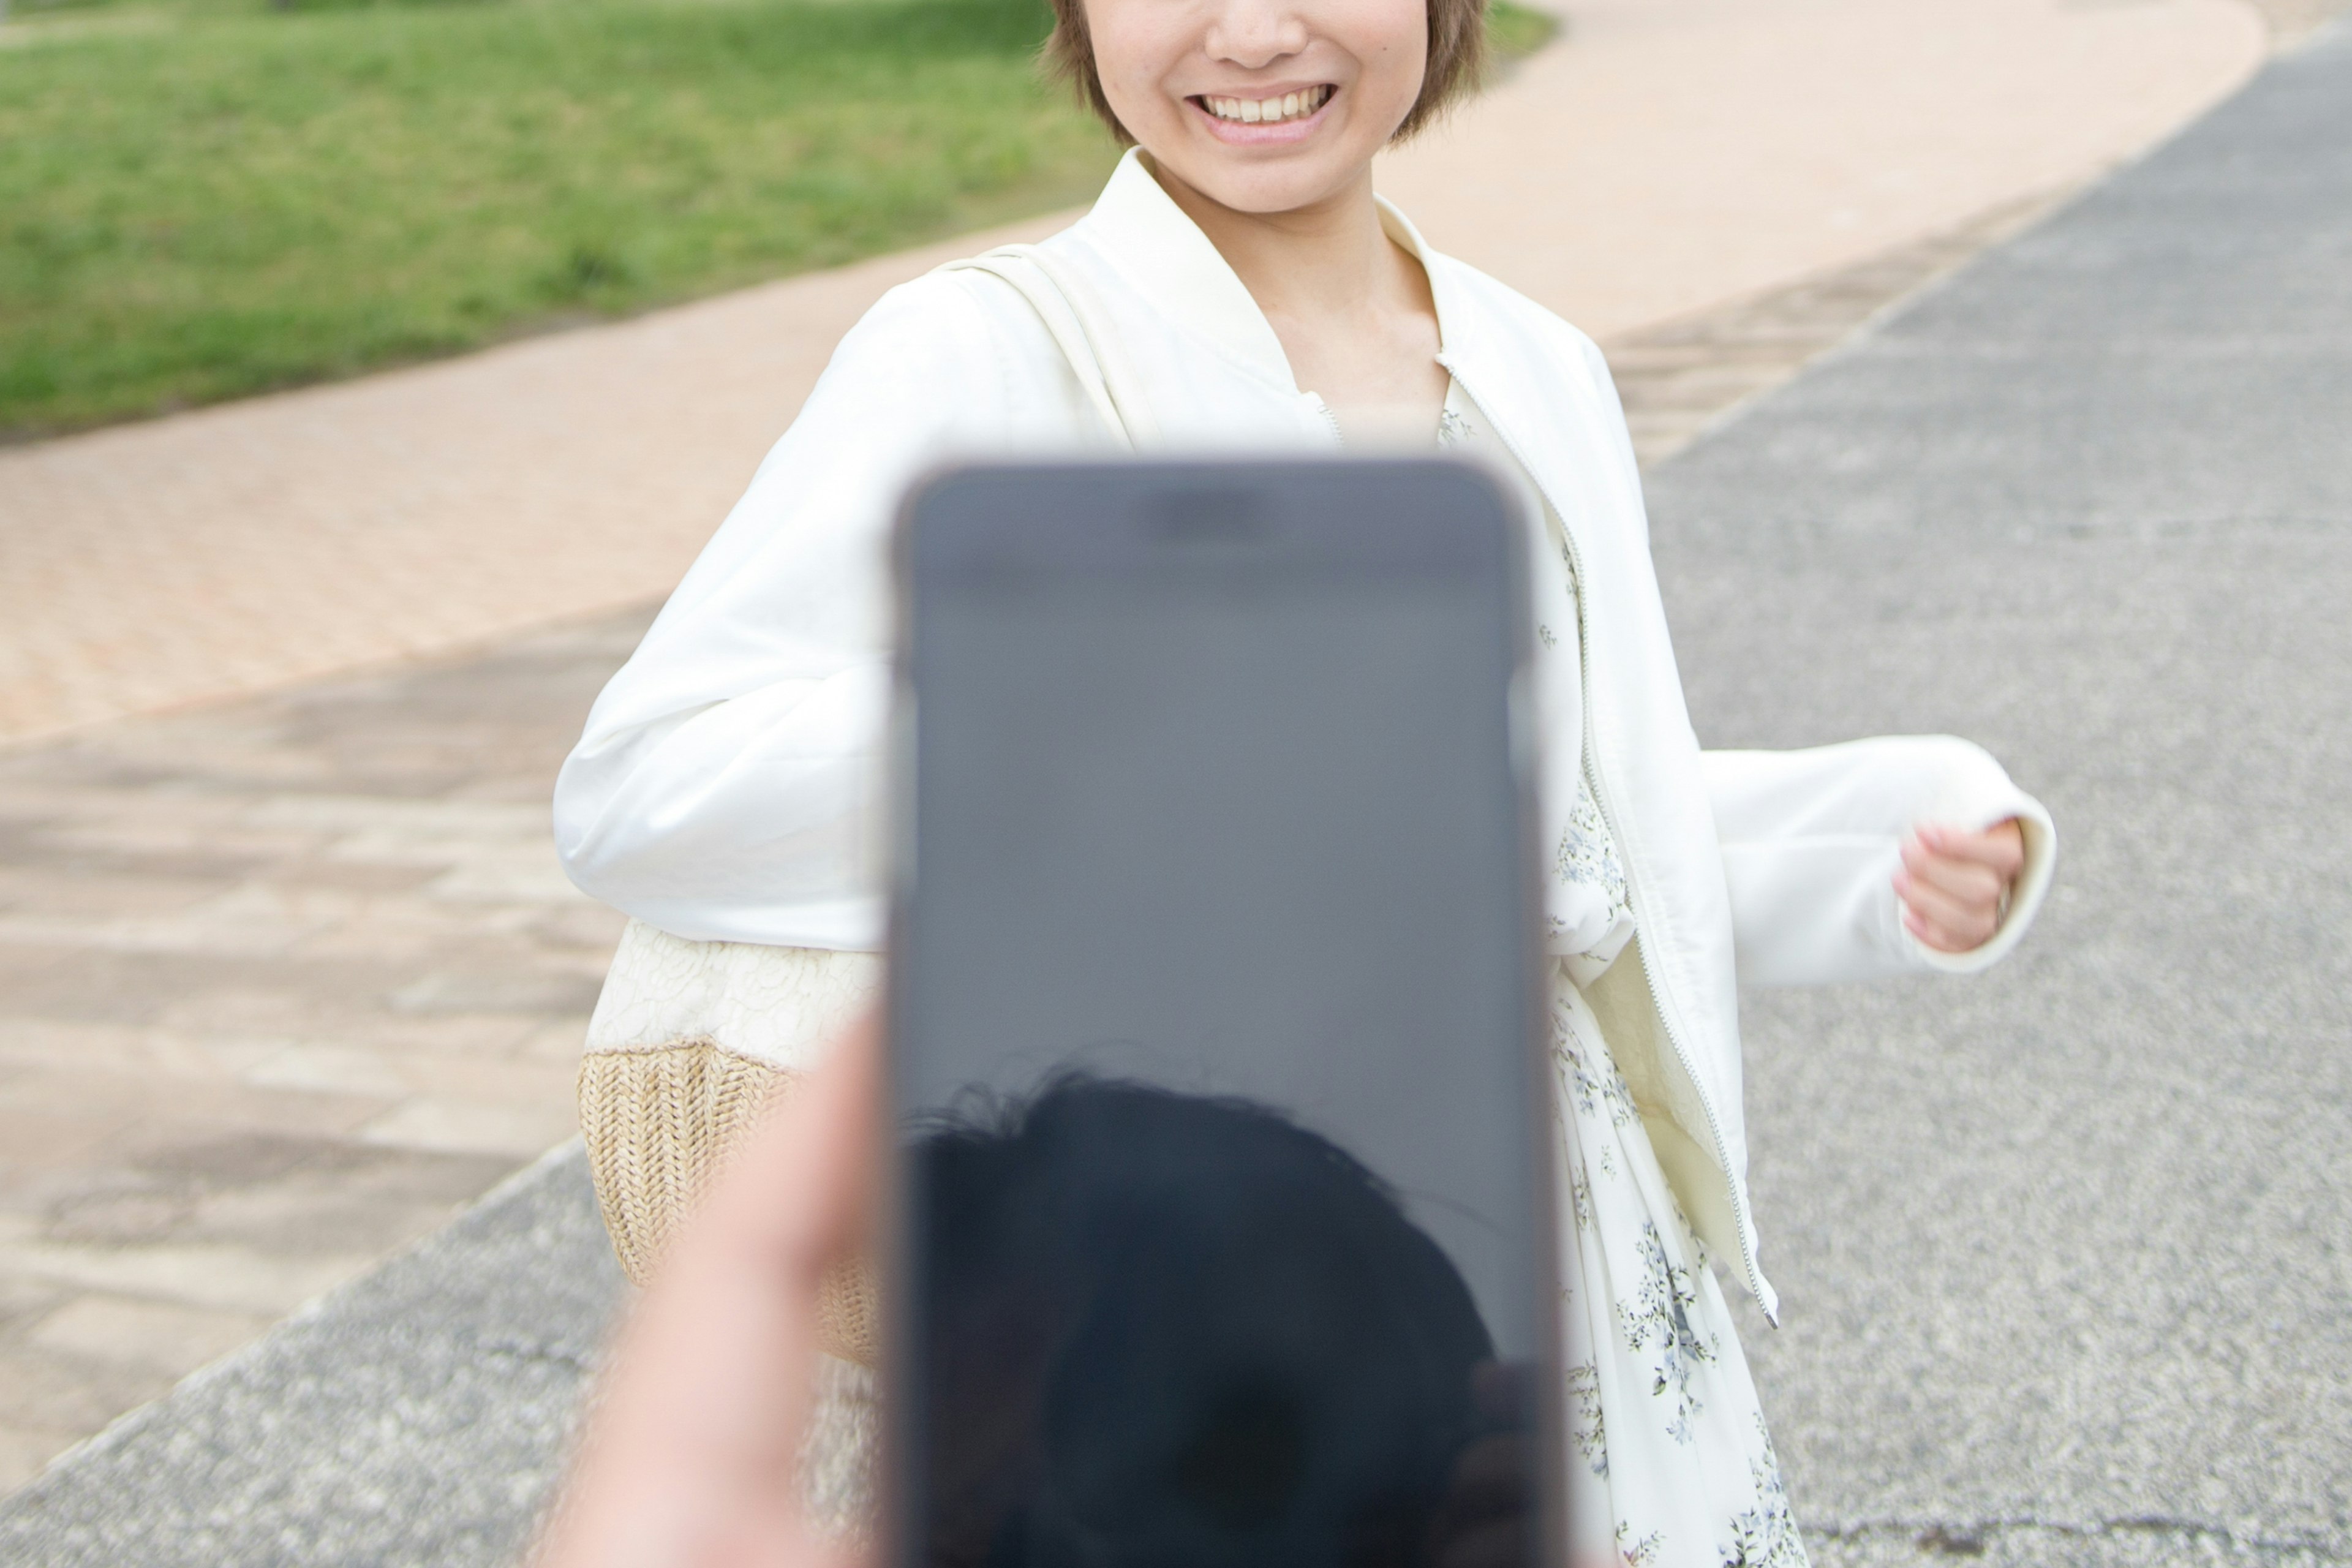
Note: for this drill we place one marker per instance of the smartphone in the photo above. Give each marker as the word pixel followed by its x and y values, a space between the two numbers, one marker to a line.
pixel 1223 1226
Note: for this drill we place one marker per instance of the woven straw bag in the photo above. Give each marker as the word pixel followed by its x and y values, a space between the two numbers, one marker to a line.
pixel 692 1040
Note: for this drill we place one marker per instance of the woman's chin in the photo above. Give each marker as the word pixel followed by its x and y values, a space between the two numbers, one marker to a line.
pixel 1263 179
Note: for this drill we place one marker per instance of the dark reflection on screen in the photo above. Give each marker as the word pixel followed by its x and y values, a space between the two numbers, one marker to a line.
pixel 1169 1329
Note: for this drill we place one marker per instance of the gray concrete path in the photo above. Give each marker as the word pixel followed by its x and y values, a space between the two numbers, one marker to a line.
pixel 2066 1253
pixel 416 1417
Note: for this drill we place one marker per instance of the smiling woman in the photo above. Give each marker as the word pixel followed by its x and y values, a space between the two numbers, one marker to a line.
pixel 1239 285
pixel 201 199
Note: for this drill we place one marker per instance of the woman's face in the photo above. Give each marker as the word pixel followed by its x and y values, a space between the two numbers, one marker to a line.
pixel 1263 106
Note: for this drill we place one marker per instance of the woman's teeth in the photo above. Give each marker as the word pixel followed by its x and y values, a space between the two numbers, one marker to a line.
pixel 1267 110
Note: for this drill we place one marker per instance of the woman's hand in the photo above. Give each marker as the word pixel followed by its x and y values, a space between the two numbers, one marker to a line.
pixel 691 1456
pixel 1954 885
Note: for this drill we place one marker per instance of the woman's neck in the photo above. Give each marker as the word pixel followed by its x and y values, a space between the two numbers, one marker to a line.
pixel 1304 262
pixel 1352 309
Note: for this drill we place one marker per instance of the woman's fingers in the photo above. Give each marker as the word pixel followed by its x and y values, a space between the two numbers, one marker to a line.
pixel 1941 922
pixel 1953 883
pixel 1944 938
pixel 2001 846
pixel 1967 882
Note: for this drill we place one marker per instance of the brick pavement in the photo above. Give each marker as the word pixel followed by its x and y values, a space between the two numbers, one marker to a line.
pixel 282 985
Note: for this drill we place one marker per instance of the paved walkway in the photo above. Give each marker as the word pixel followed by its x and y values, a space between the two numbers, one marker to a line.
pixel 1672 156
pixel 281 985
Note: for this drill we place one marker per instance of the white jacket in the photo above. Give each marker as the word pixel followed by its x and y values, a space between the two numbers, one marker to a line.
pixel 723 788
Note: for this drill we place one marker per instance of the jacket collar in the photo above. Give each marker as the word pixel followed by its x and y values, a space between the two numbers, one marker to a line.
pixel 1442 295
pixel 1162 253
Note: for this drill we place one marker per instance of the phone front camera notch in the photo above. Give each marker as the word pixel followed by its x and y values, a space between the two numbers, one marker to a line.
pixel 1207 517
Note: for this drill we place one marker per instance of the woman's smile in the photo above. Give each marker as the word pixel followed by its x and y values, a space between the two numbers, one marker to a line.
pixel 1263 106
pixel 1262 116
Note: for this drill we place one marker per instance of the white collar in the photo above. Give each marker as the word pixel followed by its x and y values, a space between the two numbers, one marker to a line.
pixel 1162 253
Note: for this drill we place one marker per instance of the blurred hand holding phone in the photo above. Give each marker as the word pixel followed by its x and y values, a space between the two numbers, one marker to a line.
pixel 691 1456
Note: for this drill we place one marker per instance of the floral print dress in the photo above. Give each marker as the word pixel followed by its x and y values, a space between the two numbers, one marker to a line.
pixel 1670 1465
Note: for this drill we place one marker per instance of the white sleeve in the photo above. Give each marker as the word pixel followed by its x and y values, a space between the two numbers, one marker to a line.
pixel 726 785
pixel 1812 841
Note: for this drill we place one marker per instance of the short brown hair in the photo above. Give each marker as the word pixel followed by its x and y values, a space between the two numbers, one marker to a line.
pixel 1457 58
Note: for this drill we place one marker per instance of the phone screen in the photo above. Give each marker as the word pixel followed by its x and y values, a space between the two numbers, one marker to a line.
pixel 1223 1235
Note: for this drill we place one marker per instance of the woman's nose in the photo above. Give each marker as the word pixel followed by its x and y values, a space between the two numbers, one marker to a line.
pixel 1254 34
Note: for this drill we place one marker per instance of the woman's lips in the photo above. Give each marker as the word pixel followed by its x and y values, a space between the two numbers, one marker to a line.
pixel 1292 118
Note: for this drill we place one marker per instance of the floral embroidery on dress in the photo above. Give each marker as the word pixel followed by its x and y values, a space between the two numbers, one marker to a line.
pixel 1598 1090
pixel 1588 855
pixel 1662 1314
pixel 1667 1454
pixel 1596 1093
pixel 1765 1536
pixel 1453 426
pixel 1586 1431
pixel 1638 1553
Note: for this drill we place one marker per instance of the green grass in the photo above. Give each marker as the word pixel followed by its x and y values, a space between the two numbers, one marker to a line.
pixel 203 201
pixel 1516 31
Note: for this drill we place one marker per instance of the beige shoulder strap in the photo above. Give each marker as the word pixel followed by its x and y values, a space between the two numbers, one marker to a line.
pixel 1080 330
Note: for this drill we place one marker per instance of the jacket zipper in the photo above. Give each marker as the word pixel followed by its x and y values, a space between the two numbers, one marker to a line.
pixel 1590 766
